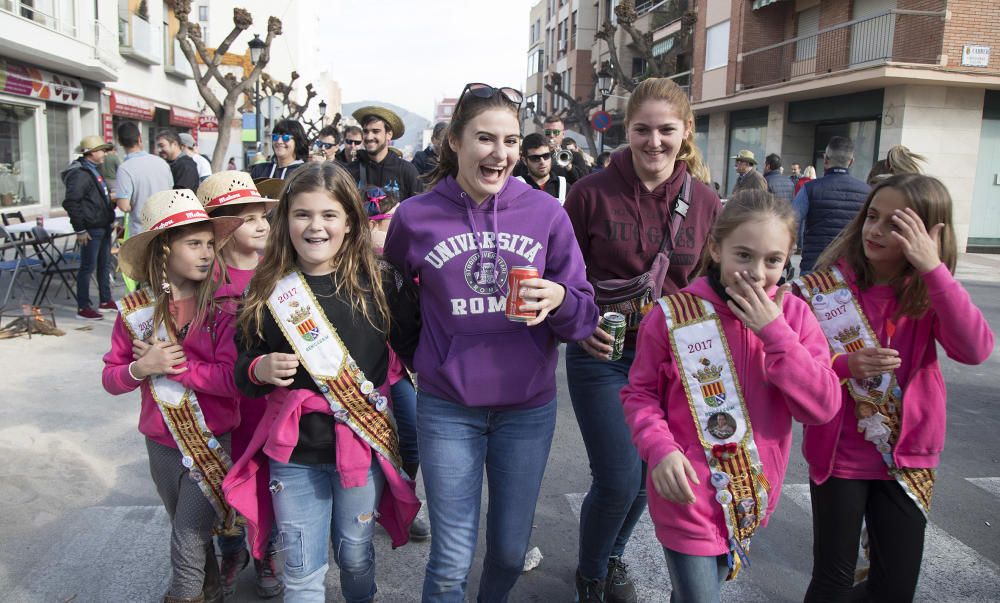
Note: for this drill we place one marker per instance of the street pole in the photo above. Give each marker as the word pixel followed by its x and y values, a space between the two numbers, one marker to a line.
pixel 256 102
pixel 604 103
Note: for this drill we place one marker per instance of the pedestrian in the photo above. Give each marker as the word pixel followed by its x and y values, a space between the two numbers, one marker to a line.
pixel 233 193
pixel 487 383
pixel 826 205
pixel 899 160
pixel 426 160
pixel 182 166
pixel 291 150
pixel 190 146
pixel 353 141
pixel 603 160
pixel 641 224
pixel 173 340
pixel 720 371
pixel 92 215
pixel 807 175
pixel 326 144
pixel 324 465
pixel 748 176
pixel 555 130
pixel 537 157
pixel 777 184
pixel 377 164
pixel 232 164
pixel 886 297
pixel 140 175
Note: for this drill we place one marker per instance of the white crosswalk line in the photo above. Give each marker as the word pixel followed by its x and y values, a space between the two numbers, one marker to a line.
pixel 990 484
pixel 951 571
pixel 648 568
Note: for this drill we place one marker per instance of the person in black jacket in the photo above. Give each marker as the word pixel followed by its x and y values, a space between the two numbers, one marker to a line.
pixel 555 130
pixel 291 150
pixel 183 168
pixel 777 184
pixel 376 165
pixel 91 212
pixel 425 161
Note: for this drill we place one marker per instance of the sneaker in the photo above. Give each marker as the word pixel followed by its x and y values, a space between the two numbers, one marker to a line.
pixel 619 587
pixel 232 565
pixel 89 314
pixel 108 307
pixel 420 529
pixel 269 583
pixel 589 591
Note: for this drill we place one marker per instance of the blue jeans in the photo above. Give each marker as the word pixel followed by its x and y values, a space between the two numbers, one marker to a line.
pixel 617 495
pixel 96 251
pixel 404 408
pixel 312 510
pixel 455 443
pixel 695 578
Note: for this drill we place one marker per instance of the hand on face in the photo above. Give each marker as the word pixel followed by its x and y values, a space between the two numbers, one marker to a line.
pixel 919 246
pixel 750 302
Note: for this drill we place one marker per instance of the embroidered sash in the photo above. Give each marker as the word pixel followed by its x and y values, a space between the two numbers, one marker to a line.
pixel 201 452
pixel 717 407
pixel 878 400
pixel 352 397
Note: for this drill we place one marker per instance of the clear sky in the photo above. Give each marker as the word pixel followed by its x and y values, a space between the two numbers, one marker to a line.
pixel 414 52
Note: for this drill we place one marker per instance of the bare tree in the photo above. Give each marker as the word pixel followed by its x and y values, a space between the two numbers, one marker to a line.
pixel 575 114
pixel 292 110
pixel 193 47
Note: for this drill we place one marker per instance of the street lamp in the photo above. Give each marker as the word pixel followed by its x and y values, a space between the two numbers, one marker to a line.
pixel 322 111
pixel 605 84
pixel 256 46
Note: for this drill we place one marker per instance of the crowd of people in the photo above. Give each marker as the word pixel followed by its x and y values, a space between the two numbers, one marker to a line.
pixel 308 337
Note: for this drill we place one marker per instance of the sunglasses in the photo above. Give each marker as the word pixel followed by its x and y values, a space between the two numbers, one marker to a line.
pixel 480 90
pixel 350 142
pixel 552 132
pixel 281 137
pixel 542 157
pixel 325 145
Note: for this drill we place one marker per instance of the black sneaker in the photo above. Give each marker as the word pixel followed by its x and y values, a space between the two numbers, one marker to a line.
pixel 619 587
pixel 589 591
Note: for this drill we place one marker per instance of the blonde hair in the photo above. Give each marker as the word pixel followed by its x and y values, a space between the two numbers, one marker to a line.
pixel 155 276
pixel 355 266
pixel 746 206
pixel 932 203
pixel 810 173
pixel 899 160
pixel 665 89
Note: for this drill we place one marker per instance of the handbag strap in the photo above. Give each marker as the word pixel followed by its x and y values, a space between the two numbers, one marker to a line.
pixel 679 214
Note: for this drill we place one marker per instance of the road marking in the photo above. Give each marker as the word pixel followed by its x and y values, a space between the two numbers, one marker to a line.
pixel 951 571
pixel 648 568
pixel 990 484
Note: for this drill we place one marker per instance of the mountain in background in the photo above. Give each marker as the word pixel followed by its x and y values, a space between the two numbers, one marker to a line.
pixel 415 124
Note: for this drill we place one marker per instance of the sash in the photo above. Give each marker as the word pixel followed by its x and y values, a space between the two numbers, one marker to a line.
pixel 723 424
pixel 206 460
pixel 352 397
pixel 878 400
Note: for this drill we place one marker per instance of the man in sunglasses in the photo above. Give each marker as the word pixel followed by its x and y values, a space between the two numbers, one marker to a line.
pixel 375 164
pixel 352 144
pixel 537 157
pixel 326 143
pixel 554 129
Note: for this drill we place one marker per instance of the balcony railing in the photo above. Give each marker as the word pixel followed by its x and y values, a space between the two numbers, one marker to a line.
pixel 57 15
pixel 176 63
pixel 664 12
pixel 106 46
pixel 139 40
pixel 896 36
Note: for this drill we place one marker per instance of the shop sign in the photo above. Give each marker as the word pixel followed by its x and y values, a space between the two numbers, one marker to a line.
pixel 22 80
pixel 108 127
pixel 132 107
pixel 184 118
pixel 975 56
pixel 208 123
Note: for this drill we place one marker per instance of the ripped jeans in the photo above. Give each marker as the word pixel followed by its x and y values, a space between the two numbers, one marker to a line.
pixel 311 510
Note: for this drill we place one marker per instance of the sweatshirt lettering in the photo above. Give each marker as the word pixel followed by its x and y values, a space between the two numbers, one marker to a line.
pixel 457 245
pixel 478 305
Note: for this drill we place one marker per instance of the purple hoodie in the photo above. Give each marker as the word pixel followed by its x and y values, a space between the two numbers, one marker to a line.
pixel 469 353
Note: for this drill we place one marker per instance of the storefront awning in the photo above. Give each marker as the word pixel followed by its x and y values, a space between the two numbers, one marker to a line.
pixel 132 107
pixel 184 118
pixel 22 80
pixel 759 4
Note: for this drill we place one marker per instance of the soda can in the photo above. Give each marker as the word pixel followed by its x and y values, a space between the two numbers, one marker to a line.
pixel 613 323
pixel 514 299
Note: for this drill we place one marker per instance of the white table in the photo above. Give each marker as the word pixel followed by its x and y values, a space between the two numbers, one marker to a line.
pixel 59 226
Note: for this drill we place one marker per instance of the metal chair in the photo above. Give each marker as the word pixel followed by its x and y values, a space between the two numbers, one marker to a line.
pixel 15 266
pixel 54 264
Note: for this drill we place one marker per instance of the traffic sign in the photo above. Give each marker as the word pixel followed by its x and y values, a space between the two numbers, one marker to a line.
pixel 601 121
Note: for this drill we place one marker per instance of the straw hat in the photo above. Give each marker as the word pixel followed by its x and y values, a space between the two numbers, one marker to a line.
pixel 745 155
pixel 386 115
pixel 161 212
pixel 93 143
pixel 229 188
pixel 270 187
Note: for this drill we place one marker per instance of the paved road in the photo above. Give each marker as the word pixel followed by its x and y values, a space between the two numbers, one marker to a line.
pixel 80 520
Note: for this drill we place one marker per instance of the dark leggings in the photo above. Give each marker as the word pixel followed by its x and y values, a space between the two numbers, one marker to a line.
pixel 895 538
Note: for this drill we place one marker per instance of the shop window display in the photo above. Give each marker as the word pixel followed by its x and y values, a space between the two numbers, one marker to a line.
pixel 18 156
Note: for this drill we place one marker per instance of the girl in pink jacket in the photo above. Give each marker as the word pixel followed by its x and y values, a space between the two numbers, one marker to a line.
pixel 719 375
pixel 885 296
pixel 172 341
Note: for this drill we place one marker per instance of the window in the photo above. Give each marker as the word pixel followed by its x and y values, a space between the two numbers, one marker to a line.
pixel 60 153
pixel 18 155
pixel 203 13
pixel 562 36
pixel 717 46
pixel 572 30
pixel 638 66
pixel 808 26
pixel 536 62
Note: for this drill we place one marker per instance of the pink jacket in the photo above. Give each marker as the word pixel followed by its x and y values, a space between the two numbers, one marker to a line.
pixel 784 372
pixel 211 354
pixel 954 322
pixel 246 484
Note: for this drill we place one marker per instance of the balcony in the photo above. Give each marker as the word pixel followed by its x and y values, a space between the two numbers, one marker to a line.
pixel 57 15
pixel 896 36
pixel 139 40
pixel 655 15
pixel 176 64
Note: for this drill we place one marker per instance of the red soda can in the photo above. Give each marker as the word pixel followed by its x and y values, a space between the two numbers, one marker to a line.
pixel 514 299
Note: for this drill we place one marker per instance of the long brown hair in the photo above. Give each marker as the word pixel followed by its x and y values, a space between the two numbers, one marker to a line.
pixel 665 89
pixel 932 203
pixel 468 107
pixel 156 277
pixel 745 206
pixel 355 267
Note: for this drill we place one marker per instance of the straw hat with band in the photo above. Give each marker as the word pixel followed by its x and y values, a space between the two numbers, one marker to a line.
pixel 161 212
pixel 93 143
pixel 389 117
pixel 270 187
pixel 745 155
pixel 230 188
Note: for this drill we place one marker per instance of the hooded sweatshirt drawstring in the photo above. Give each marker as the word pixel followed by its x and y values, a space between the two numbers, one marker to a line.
pixel 477 236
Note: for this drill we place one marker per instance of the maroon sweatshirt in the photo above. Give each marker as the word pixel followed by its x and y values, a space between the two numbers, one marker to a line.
pixel 619 224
